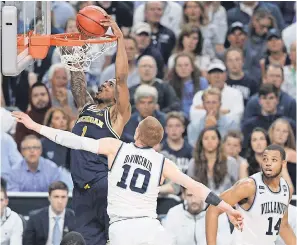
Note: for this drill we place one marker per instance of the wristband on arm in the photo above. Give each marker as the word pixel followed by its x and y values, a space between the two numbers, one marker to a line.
pixel 213 199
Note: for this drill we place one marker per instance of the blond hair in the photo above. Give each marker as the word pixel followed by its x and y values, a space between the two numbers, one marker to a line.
pixel 150 131
pixel 212 91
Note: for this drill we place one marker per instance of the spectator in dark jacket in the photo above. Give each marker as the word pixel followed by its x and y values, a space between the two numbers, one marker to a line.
pixel 276 52
pixel 16 90
pixel 162 37
pixel 40 102
pixel 237 78
pixel 145 98
pixel 286 104
pixel 142 33
pixel 147 70
pixel 287 9
pixel 255 45
pixel 268 100
pixel 42 225
pixel 245 10
pixel 237 35
pixel 121 11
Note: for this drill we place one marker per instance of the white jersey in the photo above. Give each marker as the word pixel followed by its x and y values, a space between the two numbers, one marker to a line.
pixel 133 183
pixel 262 221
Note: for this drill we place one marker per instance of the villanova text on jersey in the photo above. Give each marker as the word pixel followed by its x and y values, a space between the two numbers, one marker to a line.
pixel 273 208
pixel 137 159
pixel 87 167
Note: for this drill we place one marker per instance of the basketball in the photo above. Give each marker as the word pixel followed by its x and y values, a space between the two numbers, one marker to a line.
pixel 88 21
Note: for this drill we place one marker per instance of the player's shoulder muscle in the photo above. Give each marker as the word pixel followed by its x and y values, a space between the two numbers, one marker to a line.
pixel 247 184
pixel 243 188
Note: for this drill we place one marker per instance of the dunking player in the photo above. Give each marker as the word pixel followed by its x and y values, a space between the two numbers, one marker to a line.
pixel 104 117
pixel 136 172
pixel 263 200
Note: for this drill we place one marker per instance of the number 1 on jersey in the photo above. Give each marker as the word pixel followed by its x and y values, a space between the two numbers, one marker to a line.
pixel 84 130
pixel 135 176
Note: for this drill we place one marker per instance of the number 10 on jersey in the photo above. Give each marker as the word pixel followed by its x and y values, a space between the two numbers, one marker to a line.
pixel 137 172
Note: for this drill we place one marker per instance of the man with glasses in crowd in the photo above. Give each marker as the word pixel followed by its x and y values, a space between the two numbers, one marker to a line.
pixel 34 173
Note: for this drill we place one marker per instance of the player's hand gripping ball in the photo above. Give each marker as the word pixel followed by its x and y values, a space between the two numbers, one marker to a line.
pixel 88 21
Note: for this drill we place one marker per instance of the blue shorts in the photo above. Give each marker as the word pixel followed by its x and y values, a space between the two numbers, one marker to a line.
pixel 90 207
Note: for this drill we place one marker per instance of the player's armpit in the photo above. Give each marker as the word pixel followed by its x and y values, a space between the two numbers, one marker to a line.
pixel 109 146
pixel 171 172
pixel 79 89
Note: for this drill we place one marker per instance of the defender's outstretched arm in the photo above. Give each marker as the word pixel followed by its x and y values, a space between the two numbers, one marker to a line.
pixel 70 140
pixel 171 172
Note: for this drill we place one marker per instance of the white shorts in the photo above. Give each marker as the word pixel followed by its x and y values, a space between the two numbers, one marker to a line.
pixel 139 231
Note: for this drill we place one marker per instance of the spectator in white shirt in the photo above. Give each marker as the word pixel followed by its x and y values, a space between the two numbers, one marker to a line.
pixel 213 118
pixel 289 85
pixel 8 124
pixel 186 222
pixel 218 16
pixel 289 35
pixel 232 100
pixel 171 17
pixel 11 225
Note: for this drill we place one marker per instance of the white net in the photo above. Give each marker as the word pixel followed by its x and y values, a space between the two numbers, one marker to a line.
pixel 80 58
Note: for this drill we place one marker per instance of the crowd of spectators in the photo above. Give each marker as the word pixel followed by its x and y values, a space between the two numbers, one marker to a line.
pixel 219 76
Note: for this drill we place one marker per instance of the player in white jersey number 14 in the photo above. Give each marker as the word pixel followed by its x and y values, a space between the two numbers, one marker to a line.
pixel 136 172
pixel 263 200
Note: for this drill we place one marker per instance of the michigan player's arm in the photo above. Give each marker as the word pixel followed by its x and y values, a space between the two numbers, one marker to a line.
pixel 79 89
pixel 286 232
pixel 171 171
pixel 122 107
pixel 243 190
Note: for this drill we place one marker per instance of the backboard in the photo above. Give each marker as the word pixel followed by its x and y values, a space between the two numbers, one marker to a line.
pixel 18 20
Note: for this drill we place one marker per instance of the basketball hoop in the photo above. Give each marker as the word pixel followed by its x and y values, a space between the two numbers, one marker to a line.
pixel 76 52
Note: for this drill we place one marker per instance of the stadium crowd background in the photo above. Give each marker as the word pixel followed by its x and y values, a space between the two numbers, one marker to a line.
pixel 219 76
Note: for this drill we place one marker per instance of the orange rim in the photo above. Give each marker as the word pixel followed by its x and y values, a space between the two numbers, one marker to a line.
pixel 39 44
